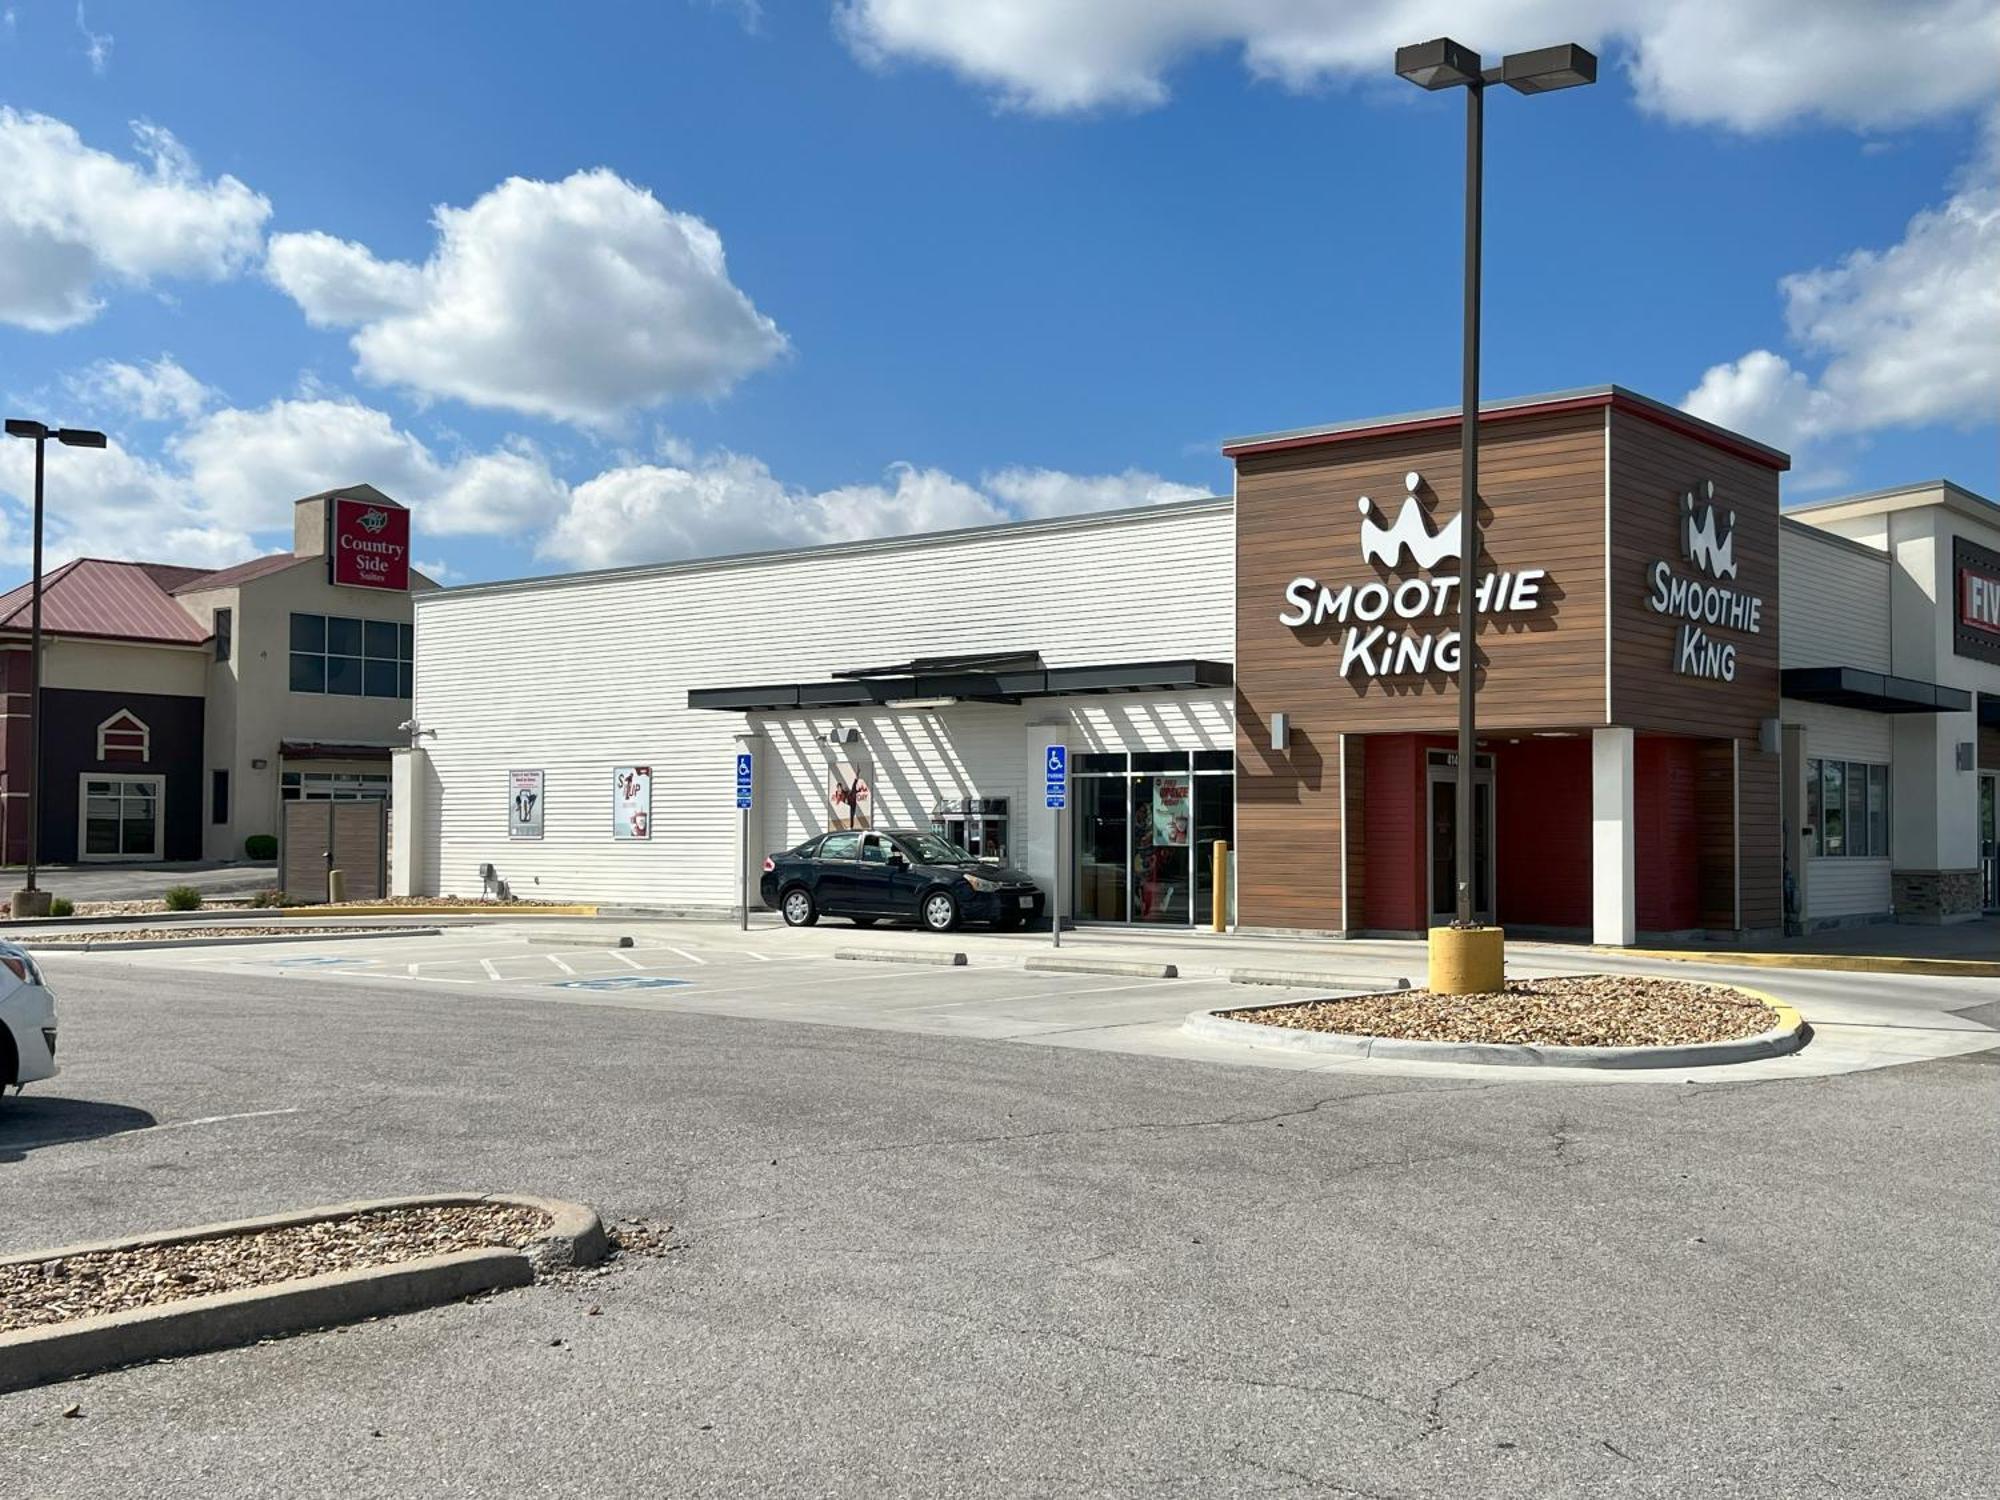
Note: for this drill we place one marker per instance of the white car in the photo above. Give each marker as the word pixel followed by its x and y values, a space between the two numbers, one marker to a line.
pixel 27 1021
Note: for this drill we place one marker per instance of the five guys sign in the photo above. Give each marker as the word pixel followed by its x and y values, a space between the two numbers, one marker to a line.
pixel 371 545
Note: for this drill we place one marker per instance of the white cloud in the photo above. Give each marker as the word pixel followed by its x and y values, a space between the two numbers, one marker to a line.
pixel 73 218
pixel 96 44
pixel 1747 64
pixel 730 503
pixel 580 300
pixel 158 391
pixel 1906 336
pixel 249 465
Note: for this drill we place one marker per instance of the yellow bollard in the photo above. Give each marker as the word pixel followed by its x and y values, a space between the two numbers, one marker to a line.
pixel 1221 885
pixel 1467 960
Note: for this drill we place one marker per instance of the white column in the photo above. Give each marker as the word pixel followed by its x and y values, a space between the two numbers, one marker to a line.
pixel 409 821
pixel 1613 904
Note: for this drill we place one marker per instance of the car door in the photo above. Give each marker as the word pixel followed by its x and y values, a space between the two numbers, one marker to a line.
pixel 875 875
pixel 837 872
pixel 907 878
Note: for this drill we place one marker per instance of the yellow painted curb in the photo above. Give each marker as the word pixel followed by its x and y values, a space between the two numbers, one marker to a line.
pixel 1788 1016
pixel 1842 963
pixel 470 908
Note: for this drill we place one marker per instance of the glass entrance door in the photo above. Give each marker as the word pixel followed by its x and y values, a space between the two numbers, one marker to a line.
pixel 120 817
pixel 1441 785
pixel 1989 841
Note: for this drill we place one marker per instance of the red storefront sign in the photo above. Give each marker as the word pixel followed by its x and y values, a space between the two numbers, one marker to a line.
pixel 1979 600
pixel 371 545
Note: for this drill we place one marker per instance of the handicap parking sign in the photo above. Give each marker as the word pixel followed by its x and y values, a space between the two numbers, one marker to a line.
pixel 746 764
pixel 1057 763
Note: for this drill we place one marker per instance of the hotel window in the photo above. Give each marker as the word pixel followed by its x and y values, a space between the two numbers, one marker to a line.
pixel 225 630
pixel 332 786
pixel 351 658
pixel 1847 809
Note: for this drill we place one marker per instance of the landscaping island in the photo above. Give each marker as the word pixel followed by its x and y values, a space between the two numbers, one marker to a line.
pixel 1591 1010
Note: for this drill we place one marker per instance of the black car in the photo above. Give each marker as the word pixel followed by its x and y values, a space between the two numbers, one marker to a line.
pixel 895 873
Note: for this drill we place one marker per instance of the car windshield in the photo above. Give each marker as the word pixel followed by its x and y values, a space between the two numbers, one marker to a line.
pixel 929 849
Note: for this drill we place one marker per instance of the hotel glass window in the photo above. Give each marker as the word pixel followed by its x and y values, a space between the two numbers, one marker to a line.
pixel 351 658
pixel 121 817
pixel 332 786
pixel 225 631
pixel 1847 809
pixel 1144 831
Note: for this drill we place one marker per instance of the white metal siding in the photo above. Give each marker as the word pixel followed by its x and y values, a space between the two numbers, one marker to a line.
pixel 575 677
pixel 1845 887
pixel 1836 610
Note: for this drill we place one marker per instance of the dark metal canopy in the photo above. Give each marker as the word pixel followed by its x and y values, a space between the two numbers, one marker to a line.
pixel 1878 692
pixel 991 678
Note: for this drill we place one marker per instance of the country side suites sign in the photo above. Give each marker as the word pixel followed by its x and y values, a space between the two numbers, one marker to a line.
pixel 370 545
pixel 1395 626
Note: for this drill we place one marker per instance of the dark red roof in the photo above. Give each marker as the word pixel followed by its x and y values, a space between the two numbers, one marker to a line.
pixel 224 578
pixel 118 600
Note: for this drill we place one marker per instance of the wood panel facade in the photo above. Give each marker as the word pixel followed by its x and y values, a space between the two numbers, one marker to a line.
pixel 1588 491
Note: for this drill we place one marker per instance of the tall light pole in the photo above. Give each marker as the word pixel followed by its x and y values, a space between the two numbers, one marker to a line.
pixel 1445 64
pixel 28 901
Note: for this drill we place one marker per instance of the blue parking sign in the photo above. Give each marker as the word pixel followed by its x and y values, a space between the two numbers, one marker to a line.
pixel 746 765
pixel 1056 761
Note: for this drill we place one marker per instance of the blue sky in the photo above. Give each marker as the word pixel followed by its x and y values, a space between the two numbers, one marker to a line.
pixel 904 263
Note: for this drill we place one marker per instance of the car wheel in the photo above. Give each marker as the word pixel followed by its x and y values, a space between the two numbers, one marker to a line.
pixel 940 911
pixel 864 921
pixel 798 907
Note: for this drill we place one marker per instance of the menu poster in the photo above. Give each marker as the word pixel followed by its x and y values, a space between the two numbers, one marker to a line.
pixel 632 802
pixel 524 798
pixel 850 799
pixel 1172 810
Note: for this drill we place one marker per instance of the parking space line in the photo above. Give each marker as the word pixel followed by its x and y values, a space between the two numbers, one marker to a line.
pixel 692 958
pixel 559 963
pixel 492 973
pixel 248 1114
pixel 629 963
pixel 762 958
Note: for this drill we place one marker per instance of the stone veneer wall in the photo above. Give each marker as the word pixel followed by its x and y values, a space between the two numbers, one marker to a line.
pixel 1936 895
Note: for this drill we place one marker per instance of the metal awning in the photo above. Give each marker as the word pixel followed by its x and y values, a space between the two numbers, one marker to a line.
pixel 990 678
pixel 1878 692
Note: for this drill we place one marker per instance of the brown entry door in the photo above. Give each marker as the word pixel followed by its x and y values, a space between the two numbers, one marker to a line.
pixel 320 837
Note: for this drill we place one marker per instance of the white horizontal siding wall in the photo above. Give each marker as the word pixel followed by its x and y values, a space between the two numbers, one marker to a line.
pixel 1836 596
pixel 1844 887
pixel 576 676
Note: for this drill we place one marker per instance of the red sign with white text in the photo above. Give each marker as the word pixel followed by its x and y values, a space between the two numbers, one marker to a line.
pixel 371 545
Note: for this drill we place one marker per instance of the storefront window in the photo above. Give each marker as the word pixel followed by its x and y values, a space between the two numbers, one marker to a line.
pixel 1833 806
pixel 976 824
pixel 1847 809
pixel 1145 830
pixel 121 817
pixel 1815 834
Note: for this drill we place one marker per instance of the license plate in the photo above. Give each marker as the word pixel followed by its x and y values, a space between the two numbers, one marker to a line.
pixel 1028 901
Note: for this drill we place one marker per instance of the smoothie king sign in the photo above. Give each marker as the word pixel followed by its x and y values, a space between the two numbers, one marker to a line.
pixel 1404 622
pixel 371 545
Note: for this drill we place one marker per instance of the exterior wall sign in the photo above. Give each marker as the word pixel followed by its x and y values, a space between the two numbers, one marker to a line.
pixel 632 802
pixel 524 798
pixel 1975 630
pixel 371 546
pixel 850 796
pixel 1703 605
pixel 1388 622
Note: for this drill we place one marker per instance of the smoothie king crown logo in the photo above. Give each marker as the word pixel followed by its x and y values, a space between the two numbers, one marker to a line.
pixel 1389 621
pixel 1707 545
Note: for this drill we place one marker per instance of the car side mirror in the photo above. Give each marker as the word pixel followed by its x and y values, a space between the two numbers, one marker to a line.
pixel 897 862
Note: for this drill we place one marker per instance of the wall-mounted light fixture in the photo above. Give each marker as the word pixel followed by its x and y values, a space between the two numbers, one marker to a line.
pixel 1281 732
pixel 849 736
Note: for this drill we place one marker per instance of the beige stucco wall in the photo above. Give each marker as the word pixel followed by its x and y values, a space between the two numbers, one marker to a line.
pixel 120 667
pixel 251 707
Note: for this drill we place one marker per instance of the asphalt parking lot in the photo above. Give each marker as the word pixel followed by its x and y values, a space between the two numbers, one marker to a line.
pixel 913 1256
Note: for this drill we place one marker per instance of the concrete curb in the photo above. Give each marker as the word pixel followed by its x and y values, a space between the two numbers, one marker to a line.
pixel 1309 979
pixel 471 909
pixel 578 940
pixel 1128 967
pixel 940 960
pixel 1842 963
pixel 1789 1035
pixel 61 1351
pixel 139 945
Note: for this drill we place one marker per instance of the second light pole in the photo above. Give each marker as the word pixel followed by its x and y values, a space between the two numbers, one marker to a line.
pixel 1459 962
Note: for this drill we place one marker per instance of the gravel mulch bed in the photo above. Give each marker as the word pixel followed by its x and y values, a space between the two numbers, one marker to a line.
pixel 1593 1010
pixel 84 1286
pixel 151 908
pixel 173 934
pixel 450 901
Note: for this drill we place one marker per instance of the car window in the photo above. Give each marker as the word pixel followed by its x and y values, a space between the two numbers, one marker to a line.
pixel 928 849
pixel 875 849
pixel 839 846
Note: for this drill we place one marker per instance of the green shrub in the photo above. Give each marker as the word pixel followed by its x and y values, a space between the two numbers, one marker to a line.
pixel 260 846
pixel 61 906
pixel 183 898
pixel 271 897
